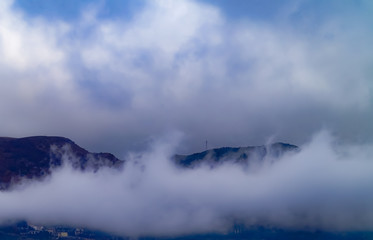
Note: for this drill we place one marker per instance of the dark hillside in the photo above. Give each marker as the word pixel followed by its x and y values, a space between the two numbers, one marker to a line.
pixel 241 155
pixel 33 157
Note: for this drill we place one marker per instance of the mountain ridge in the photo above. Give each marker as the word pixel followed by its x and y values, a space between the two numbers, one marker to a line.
pixel 239 155
pixel 33 157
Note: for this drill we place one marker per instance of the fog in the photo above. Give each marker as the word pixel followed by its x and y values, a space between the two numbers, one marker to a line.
pixel 325 186
pixel 122 83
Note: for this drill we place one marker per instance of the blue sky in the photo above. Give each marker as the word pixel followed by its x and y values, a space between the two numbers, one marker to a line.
pixel 113 75
pixel 70 10
pixel 263 10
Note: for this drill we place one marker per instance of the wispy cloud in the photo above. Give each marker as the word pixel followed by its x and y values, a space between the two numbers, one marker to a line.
pixel 325 186
pixel 186 66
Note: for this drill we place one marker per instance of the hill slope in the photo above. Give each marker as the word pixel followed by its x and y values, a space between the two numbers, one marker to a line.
pixel 245 156
pixel 33 157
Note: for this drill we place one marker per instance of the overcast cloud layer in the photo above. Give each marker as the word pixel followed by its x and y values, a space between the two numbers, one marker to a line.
pixel 322 187
pixel 117 83
pixel 113 84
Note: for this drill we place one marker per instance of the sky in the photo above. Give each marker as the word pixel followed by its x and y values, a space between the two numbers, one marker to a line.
pixel 116 75
pixel 148 79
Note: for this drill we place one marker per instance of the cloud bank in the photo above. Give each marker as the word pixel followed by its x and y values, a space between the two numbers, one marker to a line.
pixel 325 186
pixel 189 67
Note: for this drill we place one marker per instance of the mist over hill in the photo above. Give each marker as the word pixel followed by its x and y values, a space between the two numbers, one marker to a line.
pixel 244 156
pixel 150 80
pixel 35 158
pixel 272 190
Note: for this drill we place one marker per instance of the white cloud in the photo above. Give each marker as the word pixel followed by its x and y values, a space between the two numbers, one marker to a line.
pixel 325 186
pixel 112 84
pixel 183 65
pixel 28 45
